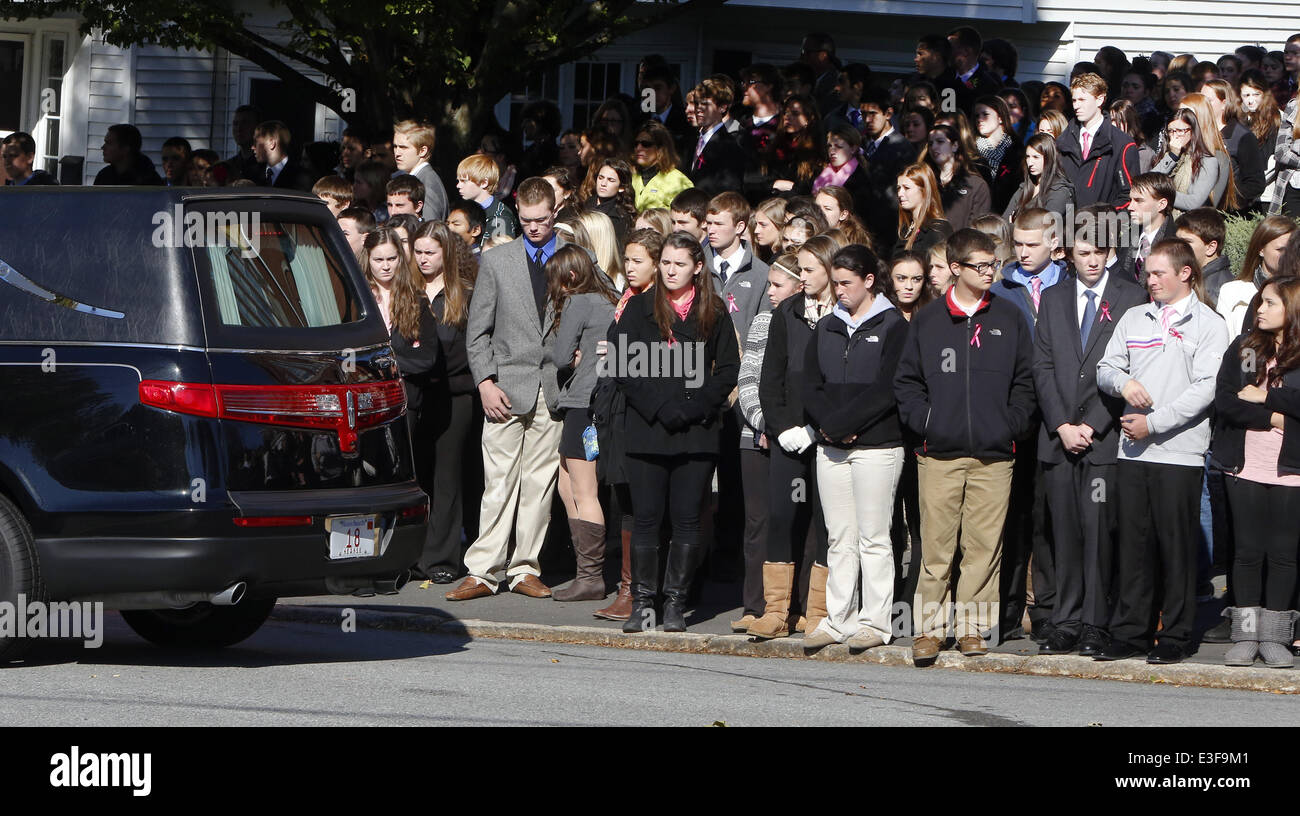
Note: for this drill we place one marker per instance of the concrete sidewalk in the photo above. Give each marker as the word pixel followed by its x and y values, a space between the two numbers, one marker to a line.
pixel 420 606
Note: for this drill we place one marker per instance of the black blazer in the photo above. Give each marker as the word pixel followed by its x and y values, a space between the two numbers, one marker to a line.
pixel 658 401
pixel 421 365
pixel 1233 416
pixel 293 177
pixel 722 165
pixel 1126 256
pixel 454 366
pixel 1065 374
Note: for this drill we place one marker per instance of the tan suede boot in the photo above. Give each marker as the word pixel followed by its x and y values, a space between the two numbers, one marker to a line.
pixel 777 620
pixel 589 546
pixel 816 596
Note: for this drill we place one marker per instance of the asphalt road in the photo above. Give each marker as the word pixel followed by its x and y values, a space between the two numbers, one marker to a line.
pixel 303 674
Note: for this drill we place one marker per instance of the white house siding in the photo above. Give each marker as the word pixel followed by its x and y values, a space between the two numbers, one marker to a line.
pixel 1206 29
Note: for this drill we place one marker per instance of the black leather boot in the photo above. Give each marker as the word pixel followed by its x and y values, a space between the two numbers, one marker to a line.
pixel 677 585
pixel 645 583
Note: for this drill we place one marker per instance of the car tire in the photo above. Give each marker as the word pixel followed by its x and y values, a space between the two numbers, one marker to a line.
pixel 202 626
pixel 20 571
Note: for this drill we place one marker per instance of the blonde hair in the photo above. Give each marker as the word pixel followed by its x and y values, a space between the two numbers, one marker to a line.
pixel 602 240
pixel 659 218
pixel 421 134
pixel 1055 119
pixel 997 228
pixel 480 169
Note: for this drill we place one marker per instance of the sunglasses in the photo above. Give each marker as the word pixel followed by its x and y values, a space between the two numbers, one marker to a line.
pixel 644 143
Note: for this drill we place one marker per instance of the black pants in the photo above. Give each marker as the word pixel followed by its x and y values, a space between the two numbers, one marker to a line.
pixel 1267 521
pixel 727 546
pixel 671 484
pixel 1025 533
pixel 1159 532
pixel 794 507
pixel 754 476
pixel 1291 202
pixel 1081 500
pixel 906 526
pixel 442 434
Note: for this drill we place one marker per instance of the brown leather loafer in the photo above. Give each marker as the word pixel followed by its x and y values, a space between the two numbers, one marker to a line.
pixel 972 646
pixel 469 589
pixel 925 649
pixel 532 587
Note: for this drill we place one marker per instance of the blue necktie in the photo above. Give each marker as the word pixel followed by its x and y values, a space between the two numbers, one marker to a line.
pixel 1089 317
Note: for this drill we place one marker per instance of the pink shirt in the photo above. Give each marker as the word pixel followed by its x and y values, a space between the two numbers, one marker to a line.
pixel 1262 450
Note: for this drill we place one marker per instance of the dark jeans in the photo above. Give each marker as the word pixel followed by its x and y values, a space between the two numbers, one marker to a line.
pixel 1159 531
pixel 1267 522
pixel 442 436
pixel 672 485
pixel 793 507
pixel 754 476
pixel 906 526
pixel 1026 532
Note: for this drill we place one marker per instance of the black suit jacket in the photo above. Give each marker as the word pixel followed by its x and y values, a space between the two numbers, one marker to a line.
pixel 293 177
pixel 1126 256
pixel 1065 372
pixel 721 167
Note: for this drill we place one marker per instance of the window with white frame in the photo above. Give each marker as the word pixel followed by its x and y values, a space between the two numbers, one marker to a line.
pixel 51 105
pixel 593 83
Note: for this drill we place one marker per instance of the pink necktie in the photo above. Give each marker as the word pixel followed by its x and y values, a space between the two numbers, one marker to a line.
pixel 699 150
pixel 1166 317
pixel 1036 284
pixel 1086 137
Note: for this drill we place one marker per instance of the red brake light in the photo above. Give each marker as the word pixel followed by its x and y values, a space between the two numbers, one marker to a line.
pixel 344 408
pixel 272 521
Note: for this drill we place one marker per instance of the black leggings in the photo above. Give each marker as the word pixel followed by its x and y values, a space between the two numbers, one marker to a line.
pixel 668 483
pixel 793 505
pixel 1266 529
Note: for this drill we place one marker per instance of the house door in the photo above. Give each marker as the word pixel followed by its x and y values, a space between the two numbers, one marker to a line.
pixel 15 51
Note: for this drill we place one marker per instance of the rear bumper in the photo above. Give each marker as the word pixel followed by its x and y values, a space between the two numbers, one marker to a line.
pixel 273 561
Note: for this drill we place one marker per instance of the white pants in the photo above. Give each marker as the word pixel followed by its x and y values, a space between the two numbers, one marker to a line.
pixel 857 493
pixel 521 462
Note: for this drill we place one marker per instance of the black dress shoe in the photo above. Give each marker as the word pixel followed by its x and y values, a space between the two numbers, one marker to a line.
pixel 1058 643
pixel 1219 633
pixel 1118 650
pixel 1042 633
pixel 1166 653
pixel 442 575
pixel 1093 642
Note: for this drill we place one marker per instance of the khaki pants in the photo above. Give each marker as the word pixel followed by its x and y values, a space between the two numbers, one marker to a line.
pixel 969 495
pixel 521 462
pixel 856 488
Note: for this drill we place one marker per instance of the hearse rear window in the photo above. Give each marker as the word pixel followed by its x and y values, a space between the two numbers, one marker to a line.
pixel 274 274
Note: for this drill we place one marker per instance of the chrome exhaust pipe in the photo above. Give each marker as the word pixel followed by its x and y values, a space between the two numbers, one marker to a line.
pixel 184 599
pixel 367 587
pixel 229 596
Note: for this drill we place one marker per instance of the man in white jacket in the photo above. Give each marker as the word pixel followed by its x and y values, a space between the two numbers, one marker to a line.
pixel 1163 359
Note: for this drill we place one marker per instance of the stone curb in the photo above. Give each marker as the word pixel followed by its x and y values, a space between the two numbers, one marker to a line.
pixel 1136 671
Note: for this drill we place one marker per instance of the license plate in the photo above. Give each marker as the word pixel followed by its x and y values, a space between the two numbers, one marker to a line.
pixel 352 536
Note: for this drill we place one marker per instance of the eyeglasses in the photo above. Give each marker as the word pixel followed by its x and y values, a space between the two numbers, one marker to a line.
pixel 644 143
pixel 981 268
pixel 1182 131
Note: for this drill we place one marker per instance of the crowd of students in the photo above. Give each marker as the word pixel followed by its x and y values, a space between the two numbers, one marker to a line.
pixel 957 351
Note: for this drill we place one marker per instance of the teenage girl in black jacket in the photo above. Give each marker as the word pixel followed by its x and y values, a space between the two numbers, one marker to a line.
pixel 673 419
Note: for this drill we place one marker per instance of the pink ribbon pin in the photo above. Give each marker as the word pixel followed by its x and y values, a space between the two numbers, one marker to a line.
pixel 975 338
pixel 1174 333
pixel 1105 312
pixel 731 304
pixel 672 341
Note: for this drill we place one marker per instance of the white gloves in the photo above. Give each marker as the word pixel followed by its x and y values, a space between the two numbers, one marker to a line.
pixel 796 440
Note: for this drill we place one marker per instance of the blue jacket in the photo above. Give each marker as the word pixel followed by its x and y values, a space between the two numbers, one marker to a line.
pixel 1014 286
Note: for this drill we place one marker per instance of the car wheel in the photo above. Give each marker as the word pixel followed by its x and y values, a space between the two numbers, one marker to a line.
pixel 202 626
pixel 20 573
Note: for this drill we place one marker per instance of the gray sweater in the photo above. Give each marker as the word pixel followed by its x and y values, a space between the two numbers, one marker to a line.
pixel 1206 188
pixel 751 368
pixel 1178 369
pixel 583 323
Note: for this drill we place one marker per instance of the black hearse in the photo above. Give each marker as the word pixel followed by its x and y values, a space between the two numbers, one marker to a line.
pixel 199 410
